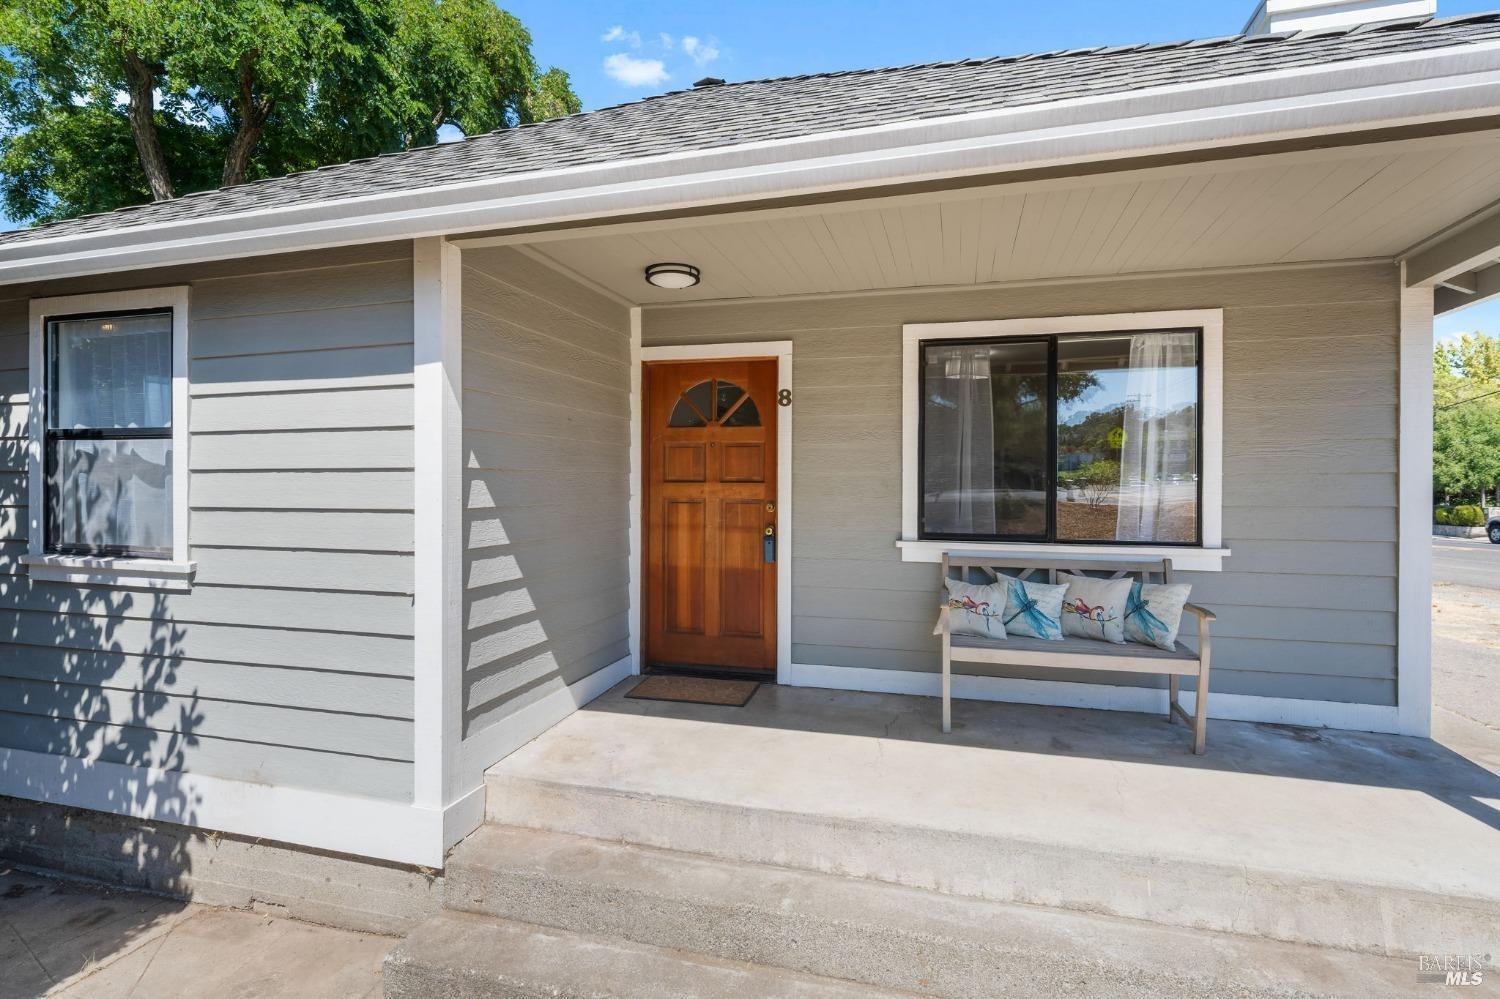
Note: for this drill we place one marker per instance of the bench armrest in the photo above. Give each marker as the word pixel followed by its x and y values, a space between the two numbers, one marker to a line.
pixel 941 628
pixel 1203 612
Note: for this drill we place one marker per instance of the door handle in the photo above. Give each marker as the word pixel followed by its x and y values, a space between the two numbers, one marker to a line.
pixel 769 542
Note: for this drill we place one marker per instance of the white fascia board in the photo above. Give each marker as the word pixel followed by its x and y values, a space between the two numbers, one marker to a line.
pixel 1451 83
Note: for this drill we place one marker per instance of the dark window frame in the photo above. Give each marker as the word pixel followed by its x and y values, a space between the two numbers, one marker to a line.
pixel 1050 538
pixel 50 435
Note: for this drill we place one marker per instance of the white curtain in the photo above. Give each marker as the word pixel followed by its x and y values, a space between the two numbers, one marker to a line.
pixel 962 440
pixel 1160 432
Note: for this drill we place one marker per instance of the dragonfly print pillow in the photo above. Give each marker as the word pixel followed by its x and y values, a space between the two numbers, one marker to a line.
pixel 1095 608
pixel 1034 610
pixel 1154 613
pixel 975 609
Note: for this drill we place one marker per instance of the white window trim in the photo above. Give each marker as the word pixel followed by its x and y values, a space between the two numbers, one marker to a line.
pixel 175 573
pixel 1207 557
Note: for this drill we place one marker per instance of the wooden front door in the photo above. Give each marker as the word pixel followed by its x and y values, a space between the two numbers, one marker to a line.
pixel 710 500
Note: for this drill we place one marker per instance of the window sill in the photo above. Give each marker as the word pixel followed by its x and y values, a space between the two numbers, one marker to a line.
pixel 132 573
pixel 1186 559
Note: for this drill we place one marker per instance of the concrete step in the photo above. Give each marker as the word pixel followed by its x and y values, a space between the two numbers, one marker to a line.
pixel 1373 844
pixel 461 956
pixel 880 934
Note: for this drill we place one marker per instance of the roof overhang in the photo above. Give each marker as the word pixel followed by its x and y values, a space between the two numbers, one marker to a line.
pixel 1349 97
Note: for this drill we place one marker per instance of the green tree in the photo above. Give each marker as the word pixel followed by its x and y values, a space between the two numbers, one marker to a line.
pixel 1466 418
pixel 111 102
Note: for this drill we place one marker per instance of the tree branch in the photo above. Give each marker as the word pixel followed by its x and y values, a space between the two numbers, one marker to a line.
pixel 140 80
pixel 253 115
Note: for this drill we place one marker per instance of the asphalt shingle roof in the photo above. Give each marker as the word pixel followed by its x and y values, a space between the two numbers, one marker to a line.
pixel 788 107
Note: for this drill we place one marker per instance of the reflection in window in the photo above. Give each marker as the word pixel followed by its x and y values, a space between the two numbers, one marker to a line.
pixel 726 394
pixel 695 408
pixel 715 401
pixel 745 416
pixel 1122 461
pixel 108 441
pixel 1127 441
pixel 985 460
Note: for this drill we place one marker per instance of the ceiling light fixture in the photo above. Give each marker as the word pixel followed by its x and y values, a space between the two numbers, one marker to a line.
pixel 673 276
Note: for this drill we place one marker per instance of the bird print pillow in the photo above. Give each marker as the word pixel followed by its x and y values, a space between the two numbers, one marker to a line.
pixel 975 609
pixel 1033 610
pixel 1154 613
pixel 1095 608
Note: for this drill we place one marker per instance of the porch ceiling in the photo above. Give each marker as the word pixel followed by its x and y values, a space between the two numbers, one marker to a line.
pixel 1330 204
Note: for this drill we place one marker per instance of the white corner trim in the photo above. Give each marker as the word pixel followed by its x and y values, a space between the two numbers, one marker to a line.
pixel 437 439
pixel 1414 517
pixel 1186 559
pixel 636 567
pixel 1211 321
pixel 781 350
pixel 102 570
pixel 1103 697
pixel 364 827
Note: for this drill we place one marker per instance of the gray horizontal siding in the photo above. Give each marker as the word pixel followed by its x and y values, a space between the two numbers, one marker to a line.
pixel 546 394
pixel 1307 602
pixel 290 662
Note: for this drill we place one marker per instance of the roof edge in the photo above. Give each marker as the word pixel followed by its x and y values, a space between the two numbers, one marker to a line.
pixel 1407 88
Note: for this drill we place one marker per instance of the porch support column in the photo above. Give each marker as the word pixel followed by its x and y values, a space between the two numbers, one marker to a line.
pixel 438 505
pixel 1414 496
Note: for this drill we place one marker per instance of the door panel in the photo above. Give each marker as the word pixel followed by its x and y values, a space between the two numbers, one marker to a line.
pixel 709 440
pixel 683 530
pixel 685 462
pixel 744 463
pixel 741 527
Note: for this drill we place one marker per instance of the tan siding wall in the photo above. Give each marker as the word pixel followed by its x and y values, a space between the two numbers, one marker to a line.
pixel 1307 602
pixel 290 662
pixel 546 371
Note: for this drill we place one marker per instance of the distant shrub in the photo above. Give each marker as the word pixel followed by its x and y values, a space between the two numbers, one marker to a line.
pixel 1468 516
pixel 1442 516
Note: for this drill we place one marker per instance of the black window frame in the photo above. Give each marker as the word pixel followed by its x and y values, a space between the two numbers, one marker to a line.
pixel 1050 538
pixel 51 527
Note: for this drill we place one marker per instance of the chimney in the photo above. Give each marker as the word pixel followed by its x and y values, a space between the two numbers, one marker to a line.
pixel 1273 16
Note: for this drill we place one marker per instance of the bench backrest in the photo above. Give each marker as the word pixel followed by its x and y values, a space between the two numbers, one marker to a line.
pixel 963 565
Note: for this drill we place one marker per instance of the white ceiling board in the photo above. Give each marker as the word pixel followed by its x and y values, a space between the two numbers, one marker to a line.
pixel 1368 201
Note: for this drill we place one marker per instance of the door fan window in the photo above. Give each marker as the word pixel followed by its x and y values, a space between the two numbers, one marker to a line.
pixel 715 402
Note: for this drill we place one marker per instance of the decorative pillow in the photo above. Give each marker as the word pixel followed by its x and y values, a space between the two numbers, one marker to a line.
pixel 1034 609
pixel 1095 608
pixel 1154 612
pixel 975 609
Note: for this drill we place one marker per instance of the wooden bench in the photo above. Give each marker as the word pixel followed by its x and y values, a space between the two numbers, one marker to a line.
pixel 1078 653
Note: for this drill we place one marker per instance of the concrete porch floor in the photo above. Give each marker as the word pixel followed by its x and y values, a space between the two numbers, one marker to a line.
pixel 1375 843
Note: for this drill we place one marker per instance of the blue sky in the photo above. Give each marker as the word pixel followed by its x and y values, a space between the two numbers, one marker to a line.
pixel 742 41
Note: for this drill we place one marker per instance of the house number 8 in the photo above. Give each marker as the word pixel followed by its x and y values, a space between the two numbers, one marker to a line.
pixel 784 397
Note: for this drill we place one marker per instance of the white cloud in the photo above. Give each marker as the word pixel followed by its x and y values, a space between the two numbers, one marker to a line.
pixel 634 72
pixel 619 34
pixel 667 41
pixel 699 51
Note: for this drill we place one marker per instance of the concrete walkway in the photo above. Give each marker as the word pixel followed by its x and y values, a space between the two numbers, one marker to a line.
pixel 60 938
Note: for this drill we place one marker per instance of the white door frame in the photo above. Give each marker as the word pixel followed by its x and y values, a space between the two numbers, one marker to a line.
pixel 781 352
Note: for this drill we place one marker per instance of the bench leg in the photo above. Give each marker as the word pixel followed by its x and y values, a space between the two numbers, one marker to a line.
pixel 1200 707
pixel 1172 684
pixel 947 687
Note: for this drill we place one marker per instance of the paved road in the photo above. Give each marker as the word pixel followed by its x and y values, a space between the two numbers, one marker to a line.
pixel 1466 562
pixel 1466 645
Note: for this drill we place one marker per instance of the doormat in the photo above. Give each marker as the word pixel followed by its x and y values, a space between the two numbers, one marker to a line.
pixel 696 690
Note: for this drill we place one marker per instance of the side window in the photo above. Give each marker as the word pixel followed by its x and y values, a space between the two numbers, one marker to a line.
pixel 107 447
